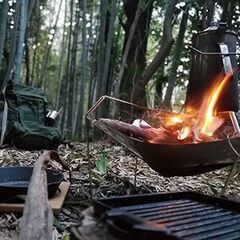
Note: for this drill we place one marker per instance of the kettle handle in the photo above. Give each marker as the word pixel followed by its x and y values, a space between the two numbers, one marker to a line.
pixel 227 65
pixel 212 53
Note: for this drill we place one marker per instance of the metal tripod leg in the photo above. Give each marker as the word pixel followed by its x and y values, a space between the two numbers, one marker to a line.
pixel 230 175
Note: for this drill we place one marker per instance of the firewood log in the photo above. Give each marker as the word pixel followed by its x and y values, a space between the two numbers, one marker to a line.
pixel 143 133
pixel 37 220
pixel 125 128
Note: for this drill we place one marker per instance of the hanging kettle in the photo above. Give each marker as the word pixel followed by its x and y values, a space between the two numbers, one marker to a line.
pixel 213 55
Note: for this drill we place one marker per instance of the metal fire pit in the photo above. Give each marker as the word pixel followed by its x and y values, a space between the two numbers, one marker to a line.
pixel 173 159
pixel 183 215
pixel 177 159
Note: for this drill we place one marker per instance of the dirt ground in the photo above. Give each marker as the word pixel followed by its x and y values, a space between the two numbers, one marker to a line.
pixel 112 170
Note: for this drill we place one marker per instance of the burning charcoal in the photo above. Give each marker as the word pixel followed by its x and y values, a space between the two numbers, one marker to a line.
pixel 183 133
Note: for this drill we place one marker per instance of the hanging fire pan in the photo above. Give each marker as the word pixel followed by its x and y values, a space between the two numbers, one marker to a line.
pixel 171 159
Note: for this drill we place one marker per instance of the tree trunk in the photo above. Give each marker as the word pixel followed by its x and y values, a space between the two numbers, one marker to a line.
pixel 48 48
pixel 161 80
pixel 60 86
pixel 71 73
pixel 228 12
pixel 101 46
pixel 127 47
pixel 92 64
pixel 208 12
pixel 68 89
pixel 136 60
pixel 34 59
pixel 134 52
pixel 13 45
pixel 105 79
pixel 84 59
pixel 3 25
pixel 176 59
pixel 21 37
pixel 138 93
pixel 32 4
pixel 27 63
pixel 113 90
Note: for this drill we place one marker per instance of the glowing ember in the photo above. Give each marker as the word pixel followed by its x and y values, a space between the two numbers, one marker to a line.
pixel 183 133
pixel 174 120
pixel 194 125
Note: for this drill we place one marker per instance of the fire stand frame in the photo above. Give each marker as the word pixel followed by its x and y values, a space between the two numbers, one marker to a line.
pixel 90 117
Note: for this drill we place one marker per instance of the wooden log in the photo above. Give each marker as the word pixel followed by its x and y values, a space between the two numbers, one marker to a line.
pixel 37 220
pixel 125 128
pixel 158 134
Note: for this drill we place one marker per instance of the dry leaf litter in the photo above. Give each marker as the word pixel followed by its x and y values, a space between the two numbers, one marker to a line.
pixel 117 180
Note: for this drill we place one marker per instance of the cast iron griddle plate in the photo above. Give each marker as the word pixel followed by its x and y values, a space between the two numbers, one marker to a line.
pixel 173 216
pixel 15 181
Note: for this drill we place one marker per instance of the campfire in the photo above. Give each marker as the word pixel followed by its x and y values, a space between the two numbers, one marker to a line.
pixel 175 144
pixel 193 126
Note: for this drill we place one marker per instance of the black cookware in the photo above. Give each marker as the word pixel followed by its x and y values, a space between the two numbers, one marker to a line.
pixel 15 181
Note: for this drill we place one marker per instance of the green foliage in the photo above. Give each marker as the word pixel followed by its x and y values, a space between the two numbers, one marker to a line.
pixel 101 164
pixel 66 236
pixel 58 225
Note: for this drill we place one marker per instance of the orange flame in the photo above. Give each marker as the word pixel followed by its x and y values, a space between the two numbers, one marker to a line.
pixel 195 125
pixel 208 109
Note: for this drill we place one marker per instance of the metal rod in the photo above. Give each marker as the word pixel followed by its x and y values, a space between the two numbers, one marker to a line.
pixel 135 174
pixel 230 175
pixel 235 122
pixel 101 99
pixel 89 159
pixel 212 53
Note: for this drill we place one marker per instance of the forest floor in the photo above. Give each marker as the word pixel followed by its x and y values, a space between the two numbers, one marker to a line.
pixel 112 170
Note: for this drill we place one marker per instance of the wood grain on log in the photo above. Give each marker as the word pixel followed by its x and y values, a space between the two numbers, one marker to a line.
pixel 125 128
pixel 37 220
pixel 147 134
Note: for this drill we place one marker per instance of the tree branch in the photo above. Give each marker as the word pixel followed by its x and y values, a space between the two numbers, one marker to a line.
pixel 167 41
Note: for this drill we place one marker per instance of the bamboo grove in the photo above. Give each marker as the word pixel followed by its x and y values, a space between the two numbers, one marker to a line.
pixel 80 50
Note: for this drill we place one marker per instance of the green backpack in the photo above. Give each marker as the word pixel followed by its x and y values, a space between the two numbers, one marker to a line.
pixel 26 125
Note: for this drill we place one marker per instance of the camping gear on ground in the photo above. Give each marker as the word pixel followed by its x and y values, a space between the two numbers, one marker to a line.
pixel 26 125
pixel 16 205
pixel 15 181
pixel 52 117
pixel 179 215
